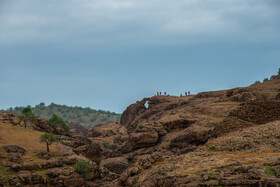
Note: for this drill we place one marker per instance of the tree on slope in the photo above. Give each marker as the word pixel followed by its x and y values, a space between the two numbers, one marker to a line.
pixel 57 122
pixel 48 138
pixel 27 115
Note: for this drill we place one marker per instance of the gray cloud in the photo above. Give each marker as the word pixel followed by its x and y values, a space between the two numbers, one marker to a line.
pixel 134 22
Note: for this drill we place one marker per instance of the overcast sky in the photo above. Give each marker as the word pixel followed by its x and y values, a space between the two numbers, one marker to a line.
pixel 107 54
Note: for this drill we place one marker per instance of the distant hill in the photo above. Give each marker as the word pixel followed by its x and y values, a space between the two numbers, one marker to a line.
pixel 86 117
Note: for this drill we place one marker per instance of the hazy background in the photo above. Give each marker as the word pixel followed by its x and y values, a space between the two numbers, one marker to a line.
pixel 106 54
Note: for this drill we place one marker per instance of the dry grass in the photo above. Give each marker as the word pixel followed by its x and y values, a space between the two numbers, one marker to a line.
pixel 26 138
pixel 229 103
pixel 212 118
pixel 222 159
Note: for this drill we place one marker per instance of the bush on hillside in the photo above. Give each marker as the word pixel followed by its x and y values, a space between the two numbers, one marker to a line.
pixel 84 168
pixel 266 79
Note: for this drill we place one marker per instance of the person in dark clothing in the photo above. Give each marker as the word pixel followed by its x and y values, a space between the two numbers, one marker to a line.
pixel 164 93
pixel 189 93
pixel 186 93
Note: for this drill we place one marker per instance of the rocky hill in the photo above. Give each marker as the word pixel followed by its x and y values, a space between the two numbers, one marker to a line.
pixel 220 138
pixel 85 117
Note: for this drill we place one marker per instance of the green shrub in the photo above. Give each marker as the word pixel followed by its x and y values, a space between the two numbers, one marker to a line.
pixel 257 82
pixel 212 148
pixel 266 79
pixel 140 126
pixel 106 145
pixel 272 77
pixel 268 171
pixel 84 168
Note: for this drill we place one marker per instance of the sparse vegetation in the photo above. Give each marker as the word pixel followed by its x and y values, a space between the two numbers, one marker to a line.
pixel 85 116
pixel 268 171
pixel 212 148
pixel 271 78
pixel 27 115
pixel 265 80
pixel 84 168
pixel 48 138
pixel 57 122
pixel 106 145
pixel 140 126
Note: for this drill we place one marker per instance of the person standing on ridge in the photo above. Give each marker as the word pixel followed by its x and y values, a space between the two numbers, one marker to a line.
pixel 180 94
pixel 189 93
pixel 164 93
pixel 186 93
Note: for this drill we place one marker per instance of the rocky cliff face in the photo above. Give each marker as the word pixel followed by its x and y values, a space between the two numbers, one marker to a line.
pixel 228 138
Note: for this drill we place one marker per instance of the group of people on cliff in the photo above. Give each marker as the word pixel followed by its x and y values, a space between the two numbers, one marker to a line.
pixel 186 93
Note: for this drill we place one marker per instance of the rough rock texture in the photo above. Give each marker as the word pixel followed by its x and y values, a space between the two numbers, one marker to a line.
pixel 14 149
pixel 221 138
pixel 115 165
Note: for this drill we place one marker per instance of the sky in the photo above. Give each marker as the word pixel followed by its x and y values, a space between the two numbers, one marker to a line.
pixel 107 54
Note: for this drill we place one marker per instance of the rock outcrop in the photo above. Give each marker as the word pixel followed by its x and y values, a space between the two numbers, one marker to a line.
pixel 221 138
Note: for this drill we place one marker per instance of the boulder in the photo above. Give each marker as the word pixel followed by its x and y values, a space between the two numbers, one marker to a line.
pixel 65 177
pixel 92 152
pixel 14 149
pixel 30 178
pixel 116 165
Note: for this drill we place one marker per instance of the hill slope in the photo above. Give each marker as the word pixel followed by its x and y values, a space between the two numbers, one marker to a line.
pixel 86 117
pixel 219 138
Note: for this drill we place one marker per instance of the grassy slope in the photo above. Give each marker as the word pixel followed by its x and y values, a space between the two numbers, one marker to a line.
pixel 85 116
pixel 26 138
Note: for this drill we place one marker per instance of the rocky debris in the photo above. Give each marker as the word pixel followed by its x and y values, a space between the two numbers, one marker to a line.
pixel 177 124
pixel 214 94
pixel 65 177
pixel 14 149
pixel 27 178
pixel 140 140
pixel 31 166
pixel 116 165
pixel 145 161
pixel 254 139
pixel 189 139
pixel 74 141
pixel 126 178
pixel 8 118
pixel 92 152
pixel 43 155
pixel 77 127
pixel 258 112
pixel 229 124
pixel 106 130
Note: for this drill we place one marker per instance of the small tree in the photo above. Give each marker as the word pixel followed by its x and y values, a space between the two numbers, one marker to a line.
pixel 55 122
pixel 266 79
pixel 49 138
pixel 27 115
pixel 272 77
pixel 257 82
pixel 84 168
